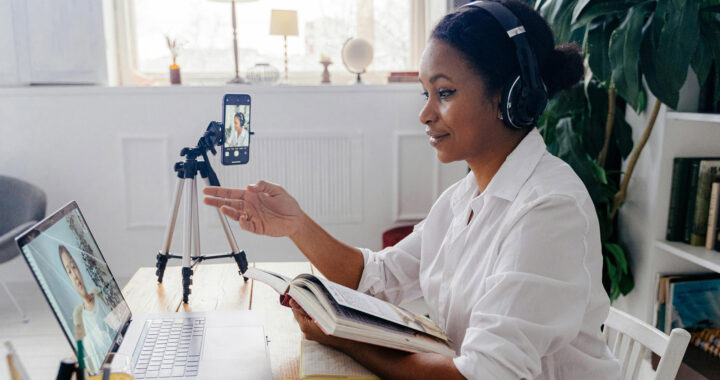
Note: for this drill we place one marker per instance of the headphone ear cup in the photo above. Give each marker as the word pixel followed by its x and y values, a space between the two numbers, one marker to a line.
pixel 508 102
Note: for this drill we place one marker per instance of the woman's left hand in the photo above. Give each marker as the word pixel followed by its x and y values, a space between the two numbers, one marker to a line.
pixel 310 329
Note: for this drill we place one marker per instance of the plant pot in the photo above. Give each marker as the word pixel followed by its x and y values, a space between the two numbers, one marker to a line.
pixel 175 74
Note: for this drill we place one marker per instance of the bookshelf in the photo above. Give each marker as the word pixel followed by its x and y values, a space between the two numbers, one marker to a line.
pixel 643 217
pixel 697 255
pixel 693 116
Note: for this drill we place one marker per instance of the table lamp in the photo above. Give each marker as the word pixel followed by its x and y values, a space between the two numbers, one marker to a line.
pixel 237 78
pixel 284 23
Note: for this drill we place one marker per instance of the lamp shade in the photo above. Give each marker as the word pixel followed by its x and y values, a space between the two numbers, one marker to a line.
pixel 283 23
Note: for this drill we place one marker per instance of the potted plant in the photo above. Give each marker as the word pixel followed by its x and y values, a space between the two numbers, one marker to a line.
pixel 174 47
pixel 625 43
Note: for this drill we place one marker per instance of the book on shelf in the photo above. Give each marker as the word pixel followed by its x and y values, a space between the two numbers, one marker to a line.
pixel 690 198
pixel 697 224
pixel 689 301
pixel 403 77
pixel 690 210
pixel 713 214
pixel 346 313
pixel 708 340
pixel 678 199
pixel 320 362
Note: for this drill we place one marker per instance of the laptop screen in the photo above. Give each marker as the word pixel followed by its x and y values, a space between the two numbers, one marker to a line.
pixel 77 282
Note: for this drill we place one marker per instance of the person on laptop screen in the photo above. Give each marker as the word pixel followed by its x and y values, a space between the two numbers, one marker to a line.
pixel 509 258
pixel 76 281
pixel 92 310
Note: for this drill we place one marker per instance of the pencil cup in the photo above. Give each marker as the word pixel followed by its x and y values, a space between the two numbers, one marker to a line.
pixel 121 368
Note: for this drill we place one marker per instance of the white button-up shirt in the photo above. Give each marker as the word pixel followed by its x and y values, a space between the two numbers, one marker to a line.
pixel 519 288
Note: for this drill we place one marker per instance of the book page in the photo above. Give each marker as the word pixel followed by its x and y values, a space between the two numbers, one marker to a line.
pixel 374 306
pixel 319 360
pixel 276 281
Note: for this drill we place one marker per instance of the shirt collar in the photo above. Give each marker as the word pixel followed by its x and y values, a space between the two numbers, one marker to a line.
pixel 511 176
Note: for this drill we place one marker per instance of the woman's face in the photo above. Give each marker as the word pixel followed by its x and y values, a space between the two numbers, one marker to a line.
pixel 460 119
pixel 73 273
pixel 237 126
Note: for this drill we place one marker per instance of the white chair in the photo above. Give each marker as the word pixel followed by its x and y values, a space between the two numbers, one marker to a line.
pixel 630 338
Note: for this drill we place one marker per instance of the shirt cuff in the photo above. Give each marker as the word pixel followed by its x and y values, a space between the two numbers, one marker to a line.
pixel 480 367
pixel 371 280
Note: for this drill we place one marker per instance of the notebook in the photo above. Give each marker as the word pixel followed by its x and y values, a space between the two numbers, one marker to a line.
pixel 320 362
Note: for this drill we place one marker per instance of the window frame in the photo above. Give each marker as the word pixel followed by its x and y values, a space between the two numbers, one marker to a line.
pixel 122 47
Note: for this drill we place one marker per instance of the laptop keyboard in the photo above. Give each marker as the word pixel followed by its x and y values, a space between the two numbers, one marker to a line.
pixel 169 348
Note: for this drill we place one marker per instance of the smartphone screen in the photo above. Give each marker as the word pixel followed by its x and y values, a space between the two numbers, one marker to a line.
pixel 236 116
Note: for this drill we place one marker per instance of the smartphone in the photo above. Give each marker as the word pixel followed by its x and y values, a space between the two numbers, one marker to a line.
pixel 236 118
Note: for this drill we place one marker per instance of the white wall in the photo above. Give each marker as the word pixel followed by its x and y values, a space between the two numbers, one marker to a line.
pixel 337 148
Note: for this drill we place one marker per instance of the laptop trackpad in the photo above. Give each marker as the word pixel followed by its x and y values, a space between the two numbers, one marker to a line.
pixel 232 351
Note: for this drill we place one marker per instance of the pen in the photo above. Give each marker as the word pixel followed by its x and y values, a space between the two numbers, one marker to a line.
pixel 81 360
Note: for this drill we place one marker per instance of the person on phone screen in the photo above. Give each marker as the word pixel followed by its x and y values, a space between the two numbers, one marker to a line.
pixel 508 259
pixel 92 310
pixel 239 136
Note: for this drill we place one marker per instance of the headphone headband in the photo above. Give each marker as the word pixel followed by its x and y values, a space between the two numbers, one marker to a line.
pixel 531 96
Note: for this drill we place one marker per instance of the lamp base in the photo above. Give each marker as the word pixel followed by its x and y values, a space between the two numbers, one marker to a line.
pixel 237 80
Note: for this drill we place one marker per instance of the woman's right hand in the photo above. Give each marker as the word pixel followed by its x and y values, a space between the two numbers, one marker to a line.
pixel 264 208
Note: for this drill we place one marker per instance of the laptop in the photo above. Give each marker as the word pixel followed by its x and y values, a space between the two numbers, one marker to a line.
pixel 77 283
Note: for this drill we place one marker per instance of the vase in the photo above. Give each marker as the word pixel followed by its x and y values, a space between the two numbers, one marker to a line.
pixel 325 73
pixel 175 74
pixel 263 73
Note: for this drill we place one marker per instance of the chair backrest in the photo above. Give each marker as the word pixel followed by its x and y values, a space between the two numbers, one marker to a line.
pixel 20 202
pixel 630 339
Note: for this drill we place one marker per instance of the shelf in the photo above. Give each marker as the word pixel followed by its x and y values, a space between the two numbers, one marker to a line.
pixel 694 116
pixel 697 255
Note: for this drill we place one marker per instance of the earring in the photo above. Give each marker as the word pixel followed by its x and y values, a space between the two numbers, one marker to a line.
pixel 499 115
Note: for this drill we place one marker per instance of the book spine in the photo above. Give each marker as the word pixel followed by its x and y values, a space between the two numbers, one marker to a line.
pixel 716 235
pixel 702 203
pixel 712 215
pixel 668 308
pixel 676 221
pixel 707 340
pixel 692 192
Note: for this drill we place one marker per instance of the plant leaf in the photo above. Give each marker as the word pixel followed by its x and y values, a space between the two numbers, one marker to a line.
pixel 619 255
pixel 702 59
pixel 578 9
pixel 599 173
pixel 668 46
pixel 622 131
pixel 598 42
pixel 597 9
pixel 558 14
pixel 625 56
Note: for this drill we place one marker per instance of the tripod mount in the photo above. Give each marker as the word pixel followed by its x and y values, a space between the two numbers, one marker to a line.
pixel 187 172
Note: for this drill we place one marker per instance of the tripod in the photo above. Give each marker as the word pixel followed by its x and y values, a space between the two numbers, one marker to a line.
pixel 187 172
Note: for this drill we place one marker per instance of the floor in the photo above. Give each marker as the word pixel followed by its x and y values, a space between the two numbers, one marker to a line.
pixel 40 343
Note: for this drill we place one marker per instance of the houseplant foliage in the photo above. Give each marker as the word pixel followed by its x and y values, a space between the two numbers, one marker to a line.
pixel 625 43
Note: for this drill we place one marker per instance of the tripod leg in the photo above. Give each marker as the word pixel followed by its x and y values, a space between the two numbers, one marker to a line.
pixel 162 256
pixel 196 221
pixel 188 241
pixel 238 255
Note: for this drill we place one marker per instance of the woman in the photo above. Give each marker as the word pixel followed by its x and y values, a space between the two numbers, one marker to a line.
pixel 508 259
pixel 90 313
pixel 239 134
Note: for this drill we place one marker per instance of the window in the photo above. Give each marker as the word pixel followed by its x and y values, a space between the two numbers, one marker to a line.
pixel 204 30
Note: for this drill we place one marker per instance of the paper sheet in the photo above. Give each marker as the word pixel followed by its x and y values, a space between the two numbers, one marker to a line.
pixel 320 360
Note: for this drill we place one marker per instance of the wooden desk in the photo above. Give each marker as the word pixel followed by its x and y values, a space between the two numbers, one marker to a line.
pixel 220 287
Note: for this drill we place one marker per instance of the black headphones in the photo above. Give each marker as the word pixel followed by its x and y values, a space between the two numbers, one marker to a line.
pixel 525 96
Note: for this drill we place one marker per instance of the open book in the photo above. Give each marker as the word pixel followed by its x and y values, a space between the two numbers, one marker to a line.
pixel 346 313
